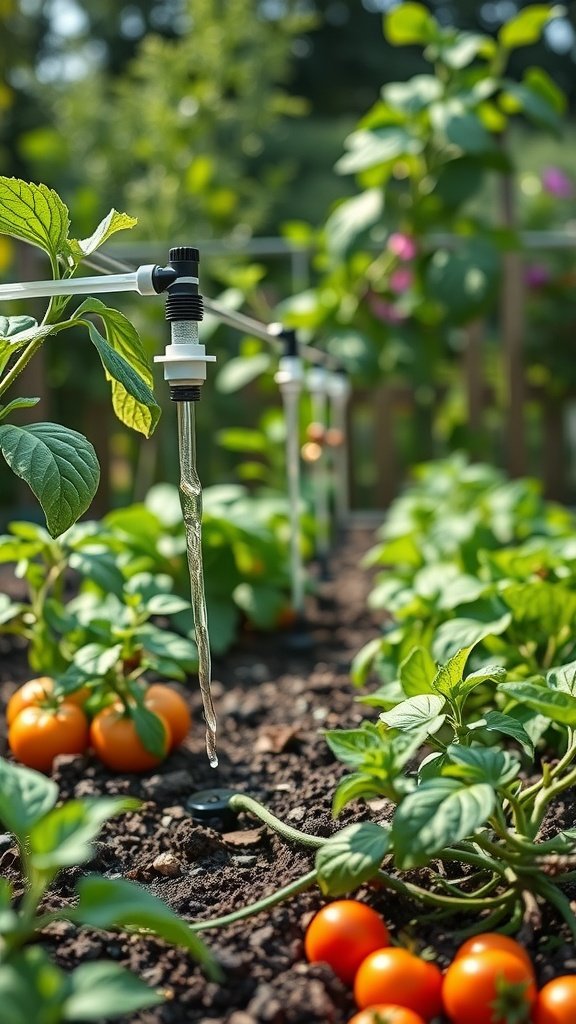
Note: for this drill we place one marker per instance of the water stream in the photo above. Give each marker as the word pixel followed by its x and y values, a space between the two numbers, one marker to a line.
pixel 191 502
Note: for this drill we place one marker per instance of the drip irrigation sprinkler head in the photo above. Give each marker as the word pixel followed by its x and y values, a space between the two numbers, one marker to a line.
pixel 184 358
pixel 317 380
pixel 211 807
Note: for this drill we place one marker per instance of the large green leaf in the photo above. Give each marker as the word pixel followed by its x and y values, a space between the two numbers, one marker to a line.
pixel 125 364
pixel 439 813
pixel 410 23
pixel 119 992
pixel 351 857
pixel 25 797
pixel 497 721
pixel 417 672
pixel 58 464
pixel 482 764
pixel 526 27
pixel 35 214
pixel 463 280
pixel 380 146
pixel 461 127
pixel 116 903
pixel 416 712
pixel 32 988
pixel 558 706
pixel 414 95
pixel 64 836
pixel 465 632
pixel 351 218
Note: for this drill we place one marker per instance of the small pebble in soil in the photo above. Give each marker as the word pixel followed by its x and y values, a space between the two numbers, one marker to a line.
pixel 167 864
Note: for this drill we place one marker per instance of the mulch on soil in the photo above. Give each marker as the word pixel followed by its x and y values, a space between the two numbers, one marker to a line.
pixel 273 698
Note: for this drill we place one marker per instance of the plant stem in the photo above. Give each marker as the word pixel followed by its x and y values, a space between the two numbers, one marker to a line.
pixel 292 889
pixel 241 802
pixel 552 894
pixel 415 892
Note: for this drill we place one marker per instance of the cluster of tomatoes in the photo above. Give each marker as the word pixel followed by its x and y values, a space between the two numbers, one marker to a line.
pixel 42 725
pixel 491 979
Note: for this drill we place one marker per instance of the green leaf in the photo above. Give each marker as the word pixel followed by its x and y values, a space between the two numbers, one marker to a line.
pixel 490 673
pixel 410 23
pixel 351 218
pixel 465 48
pixel 463 280
pixel 240 371
pixel 114 221
pixel 417 672
pixel 461 127
pixel 116 903
pixel 10 610
pixel 242 439
pixel 126 366
pixel 25 797
pixel 119 992
pixel 352 745
pixel 482 764
pixel 363 662
pixel 99 568
pixel 526 27
pixel 12 326
pixel 96 660
pixel 549 605
pixel 373 148
pixel 438 814
pixel 519 96
pixel 563 678
pixel 17 403
pixel 449 676
pixel 358 785
pixel 59 465
pixel 35 214
pixel 64 836
pixel 167 604
pixel 496 721
pixel 414 95
pixel 416 712
pixel 150 729
pixel 165 644
pixel 351 857
pixel 556 705
pixel 32 988
pixel 262 604
pixel 455 634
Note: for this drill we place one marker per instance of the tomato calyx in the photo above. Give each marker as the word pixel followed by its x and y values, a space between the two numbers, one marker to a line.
pixel 510 1005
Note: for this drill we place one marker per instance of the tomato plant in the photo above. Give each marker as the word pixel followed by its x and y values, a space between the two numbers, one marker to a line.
pixel 493 987
pixel 494 940
pixel 396 976
pixel 342 934
pixel 116 738
pixel 38 734
pixel 556 1001
pixel 386 1013
pixel 165 701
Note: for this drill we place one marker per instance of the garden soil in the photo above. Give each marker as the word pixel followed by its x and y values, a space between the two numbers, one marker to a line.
pixel 274 696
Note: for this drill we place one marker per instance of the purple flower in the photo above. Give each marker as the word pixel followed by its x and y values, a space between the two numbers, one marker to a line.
pixel 537 275
pixel 403 246
pixel 557 183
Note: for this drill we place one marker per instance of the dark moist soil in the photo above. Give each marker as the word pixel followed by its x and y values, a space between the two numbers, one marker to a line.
pixel 273 698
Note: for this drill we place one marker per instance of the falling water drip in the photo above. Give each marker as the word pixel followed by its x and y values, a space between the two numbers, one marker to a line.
pixel 191 502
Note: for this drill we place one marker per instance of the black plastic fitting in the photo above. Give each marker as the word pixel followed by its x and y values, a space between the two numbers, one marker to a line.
pixel 184 302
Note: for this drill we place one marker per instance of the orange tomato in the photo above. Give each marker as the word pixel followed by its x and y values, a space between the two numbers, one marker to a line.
pixel 116 742
pixel 342 934
pixel 386 1013
pixel 489 988
pixel 493 940
pixel 37 735
pixel 396 976
pixel 556 1001
pixel 167 702
pixel 39 691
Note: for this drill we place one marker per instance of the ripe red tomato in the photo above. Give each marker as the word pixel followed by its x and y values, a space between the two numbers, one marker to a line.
pixel 396 976
pixel 116 742
pixel 38 734
pixel 168 702
pixel 493 940
pixel 386 1013
pixel 556 1001
pixel 342 934
pixel 38 692
pixel 489 988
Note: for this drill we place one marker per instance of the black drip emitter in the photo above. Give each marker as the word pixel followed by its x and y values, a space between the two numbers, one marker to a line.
pixel 184 358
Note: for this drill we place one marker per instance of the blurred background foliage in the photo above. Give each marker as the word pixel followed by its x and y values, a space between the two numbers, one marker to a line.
pixel 219 124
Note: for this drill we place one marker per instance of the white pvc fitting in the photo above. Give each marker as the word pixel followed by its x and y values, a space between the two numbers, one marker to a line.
pixel 185 363
pixel 317 380
pixel 290 374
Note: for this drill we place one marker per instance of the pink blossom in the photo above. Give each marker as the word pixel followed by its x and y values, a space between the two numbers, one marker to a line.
pixel 536 275
pixel 386 311
pixel 403 246
pixel 401 280
pixel 557 183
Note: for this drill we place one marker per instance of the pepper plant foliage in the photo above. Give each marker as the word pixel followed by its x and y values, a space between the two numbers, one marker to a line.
pixel 59 464
pixel 52 837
